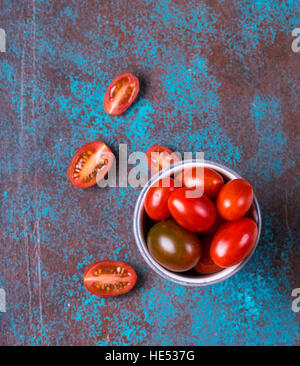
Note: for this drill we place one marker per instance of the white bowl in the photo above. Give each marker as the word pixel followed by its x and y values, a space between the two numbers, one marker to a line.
pixel 140 229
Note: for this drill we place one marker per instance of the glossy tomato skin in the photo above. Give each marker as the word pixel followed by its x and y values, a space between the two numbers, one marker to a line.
pixel 219 221
pixel 205 264
pixel 90 164
pixel 159 157
pixel 202 178
pixel 156 200
pixel 234 199
pixel 173 247
pixel 121 93
pixel 233 242
pixel 109 278
pixel 194 214
pixel 252 213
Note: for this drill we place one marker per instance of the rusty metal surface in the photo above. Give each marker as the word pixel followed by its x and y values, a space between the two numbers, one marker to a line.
pixel 218 77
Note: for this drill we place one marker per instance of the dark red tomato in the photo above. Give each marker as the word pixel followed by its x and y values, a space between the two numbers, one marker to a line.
pixel 201 178
pixel 160 157
pixel 121 93
pixel 194 214
pixel 233 242
pixel 234 199
pixel 90 164
pixel 252 213
pixel 109 278
pixel 173 247
pixel 205 264
pixel 156 201
pixel 214 228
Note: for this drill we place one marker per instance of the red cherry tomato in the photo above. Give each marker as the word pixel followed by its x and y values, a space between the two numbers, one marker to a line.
pixel 109 278
pixel 121 93
pixel 194 214
pixel 234 199
pixel 252 213
pixel 160 157
pixel 219 221
pixel 233 242
pixel 90 164
pixel 209 180
pixel 156 201
pixel 205 264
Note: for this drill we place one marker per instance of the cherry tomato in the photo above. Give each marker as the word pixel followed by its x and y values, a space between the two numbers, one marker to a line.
pixel 121 93
pixel 214 228
pixel 194 214
pixel 252 213
pixel 205 264
pixel 160 157
pixel 233 242
pixel 173 247
pixel 109 278
pixel 90 164
pixel 234 199
pixel 209 180
pixel 156 201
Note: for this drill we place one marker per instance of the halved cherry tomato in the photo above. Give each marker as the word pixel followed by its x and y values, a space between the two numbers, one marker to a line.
pixel 205 264
pixel 194 214
pixel 109 278
pixel 121 93
pixel 234 199
pixel 160 157
pixel 156 200
pixel 90 164
pixel 208 180
pixel 233 242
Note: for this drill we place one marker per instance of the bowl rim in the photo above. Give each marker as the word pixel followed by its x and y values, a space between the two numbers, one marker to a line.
pixel 177 277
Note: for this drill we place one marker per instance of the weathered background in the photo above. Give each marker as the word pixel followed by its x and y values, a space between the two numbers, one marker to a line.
pixel 218 77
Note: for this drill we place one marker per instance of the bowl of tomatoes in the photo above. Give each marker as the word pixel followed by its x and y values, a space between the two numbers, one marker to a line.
pixel 197 223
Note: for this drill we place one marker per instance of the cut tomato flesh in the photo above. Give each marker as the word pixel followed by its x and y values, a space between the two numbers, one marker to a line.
pixel 160 157
pixel 109 278
pixel 121 93
pixel 90 164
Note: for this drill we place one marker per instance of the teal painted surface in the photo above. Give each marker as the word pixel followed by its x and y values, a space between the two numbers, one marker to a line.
pixel 218 77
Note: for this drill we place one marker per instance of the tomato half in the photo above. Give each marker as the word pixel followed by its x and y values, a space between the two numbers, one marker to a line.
pixel 160 157
pixel 205 264
pixel 194 214
pixel 109 278
pixel 90 164
pixel 234 199
pixel 156 200
pixel 121 93
pixel 233 242
pixel 202 178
